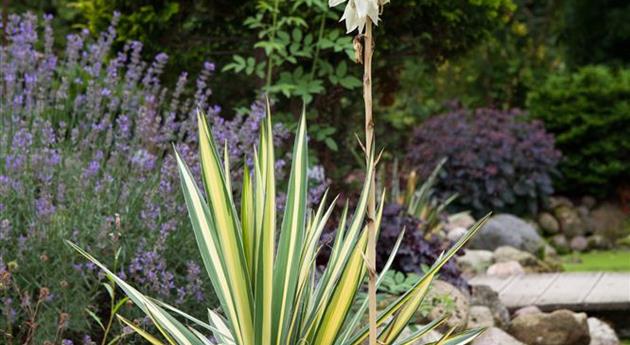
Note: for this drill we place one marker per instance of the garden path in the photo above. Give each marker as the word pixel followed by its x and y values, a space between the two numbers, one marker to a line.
pixel 594 291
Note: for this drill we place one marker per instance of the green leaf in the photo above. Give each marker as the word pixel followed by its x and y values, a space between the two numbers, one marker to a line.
pixel 342 69
pixel 95 317
pixel 350 82
pixel 331 144
pixel 297 35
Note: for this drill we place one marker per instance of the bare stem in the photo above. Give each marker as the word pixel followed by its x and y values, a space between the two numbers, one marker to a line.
pixel 368 50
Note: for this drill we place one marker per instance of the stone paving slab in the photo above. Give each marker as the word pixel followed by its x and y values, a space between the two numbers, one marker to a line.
pixel 569 289
pixel 576 291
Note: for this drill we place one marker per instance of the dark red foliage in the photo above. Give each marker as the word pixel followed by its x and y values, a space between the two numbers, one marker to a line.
pixel 497 161
pixel 415 251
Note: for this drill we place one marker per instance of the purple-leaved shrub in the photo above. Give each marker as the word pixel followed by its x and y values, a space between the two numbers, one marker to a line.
pixel 496 160
pixel 85 155
pixel 417 250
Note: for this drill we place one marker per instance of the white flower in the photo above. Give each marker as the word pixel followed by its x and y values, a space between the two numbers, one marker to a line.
pixel 358 11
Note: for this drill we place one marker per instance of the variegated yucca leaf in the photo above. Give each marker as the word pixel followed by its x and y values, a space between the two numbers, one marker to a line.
pixel 267 286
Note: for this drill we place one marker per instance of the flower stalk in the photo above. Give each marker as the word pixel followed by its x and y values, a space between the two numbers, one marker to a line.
pixel 368 50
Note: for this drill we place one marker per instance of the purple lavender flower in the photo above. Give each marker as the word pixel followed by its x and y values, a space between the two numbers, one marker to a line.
pixel 5 230
pixel 44 207
pixel 91 134
pixel 87 340
pixel 92 169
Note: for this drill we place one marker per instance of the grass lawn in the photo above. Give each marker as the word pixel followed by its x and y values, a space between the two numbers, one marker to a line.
pixel 609 261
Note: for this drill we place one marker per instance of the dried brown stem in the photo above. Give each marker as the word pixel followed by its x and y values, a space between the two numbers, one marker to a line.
pixel 368 49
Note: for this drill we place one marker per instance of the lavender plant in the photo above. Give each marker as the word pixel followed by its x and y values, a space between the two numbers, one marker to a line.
pixel 85 155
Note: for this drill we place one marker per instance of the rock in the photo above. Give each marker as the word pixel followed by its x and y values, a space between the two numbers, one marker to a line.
pixel 562 327
pixel 455 234
pixel 474 261
pixel 532 309
pixel 504 269
pixel 609 220
pixel 553 264
pixel 480 316
pixel 507 230
pixel 561 244
pixel 623 242
pixel 578 243
pixel 507 253
pixel 495 336
pixel 529 262
pixel 483 295
pixel 548 223
pixel 549 252
pixel 460 220
pixel 587 222
pixel 583 211
pixel 431 336
pixel 597 242
pixel 570 221
pixel 588 202
pixel 601 333
pixel 458 306
pixel 559 201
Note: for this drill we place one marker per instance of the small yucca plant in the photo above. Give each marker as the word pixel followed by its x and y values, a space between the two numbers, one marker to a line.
pixel 271 296
pixel 422 203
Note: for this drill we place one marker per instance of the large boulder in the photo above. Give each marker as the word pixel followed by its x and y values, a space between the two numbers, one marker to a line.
pixel 530 309
pixel 570 221
pixel 495 336
pixel 457 309
pixel 480 316
pixel 548 223
pixel 504 269
pixel 601 333
pixel 609 220
pixel 507 230
pixel 562 327
pixel 483 295
pixel 474 261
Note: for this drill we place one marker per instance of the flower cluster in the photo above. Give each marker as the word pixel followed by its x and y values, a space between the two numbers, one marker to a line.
pixel 357 12
pixel 85 155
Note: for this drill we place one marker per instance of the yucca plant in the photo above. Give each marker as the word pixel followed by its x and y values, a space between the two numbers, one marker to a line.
pixel 272 295
pixel 421 202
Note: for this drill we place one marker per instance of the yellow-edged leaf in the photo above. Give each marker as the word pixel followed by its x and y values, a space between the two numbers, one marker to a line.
pixel 148 337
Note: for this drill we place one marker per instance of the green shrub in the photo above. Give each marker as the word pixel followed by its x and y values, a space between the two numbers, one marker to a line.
pixel 589 112
pixel 587 40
